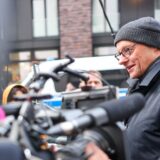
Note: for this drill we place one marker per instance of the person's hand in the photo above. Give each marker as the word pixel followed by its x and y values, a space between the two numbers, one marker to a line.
pixel 95 152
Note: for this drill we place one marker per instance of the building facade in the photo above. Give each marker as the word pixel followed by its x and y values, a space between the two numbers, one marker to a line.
pixel 39 30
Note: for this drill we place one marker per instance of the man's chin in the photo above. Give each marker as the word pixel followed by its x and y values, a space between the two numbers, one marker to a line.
pixel 133 76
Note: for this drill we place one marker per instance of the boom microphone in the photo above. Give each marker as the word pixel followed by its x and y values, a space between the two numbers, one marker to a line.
pixel 106 113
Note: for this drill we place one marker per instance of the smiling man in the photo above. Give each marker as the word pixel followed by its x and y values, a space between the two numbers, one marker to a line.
pixel 138 46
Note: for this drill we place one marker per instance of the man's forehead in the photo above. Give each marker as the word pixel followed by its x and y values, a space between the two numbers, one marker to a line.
pixel 123 44
pixel 95 76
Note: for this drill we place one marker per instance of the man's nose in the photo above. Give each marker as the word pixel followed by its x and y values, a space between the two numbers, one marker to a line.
pixel 93 84
pixel 122 60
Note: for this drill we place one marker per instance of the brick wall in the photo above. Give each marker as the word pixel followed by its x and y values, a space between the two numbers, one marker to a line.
pixel 75 27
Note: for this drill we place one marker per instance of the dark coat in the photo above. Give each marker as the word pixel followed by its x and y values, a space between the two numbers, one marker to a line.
pixel 143 129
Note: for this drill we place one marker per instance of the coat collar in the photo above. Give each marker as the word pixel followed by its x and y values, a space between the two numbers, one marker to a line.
pixel 152 72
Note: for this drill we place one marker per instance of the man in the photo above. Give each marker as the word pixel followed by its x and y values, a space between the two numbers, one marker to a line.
pixel 138 45
pixel 94 81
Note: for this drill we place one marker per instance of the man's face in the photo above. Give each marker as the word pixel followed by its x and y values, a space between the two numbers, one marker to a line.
pixel 139 58
pixel 94 81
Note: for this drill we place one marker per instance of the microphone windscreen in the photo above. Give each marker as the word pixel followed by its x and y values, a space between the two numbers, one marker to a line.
pixel 12 108
pixel 124 107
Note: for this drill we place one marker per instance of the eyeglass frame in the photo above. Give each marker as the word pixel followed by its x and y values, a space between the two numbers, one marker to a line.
pixel 124 52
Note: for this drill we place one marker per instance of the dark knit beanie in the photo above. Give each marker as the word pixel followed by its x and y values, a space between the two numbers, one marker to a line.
pixel 145 30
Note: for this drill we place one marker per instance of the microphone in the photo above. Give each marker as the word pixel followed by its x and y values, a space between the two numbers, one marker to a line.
pixel 106 113
pixel 59 115
pixel 12 108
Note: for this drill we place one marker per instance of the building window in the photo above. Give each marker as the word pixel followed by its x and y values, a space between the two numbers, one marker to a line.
pixel 104 51
pixel 157 9
pixel 45 18
pixel 20 65
pixel 19 71
pixel 22 62
pixel 99 22
pixel 46 54
pixel 20 56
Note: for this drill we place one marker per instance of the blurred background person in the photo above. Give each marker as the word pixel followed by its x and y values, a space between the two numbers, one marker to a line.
pixel 94 81
pixel 13 90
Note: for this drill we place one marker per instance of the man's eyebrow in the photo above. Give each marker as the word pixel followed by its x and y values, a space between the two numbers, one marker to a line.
pixel 126 47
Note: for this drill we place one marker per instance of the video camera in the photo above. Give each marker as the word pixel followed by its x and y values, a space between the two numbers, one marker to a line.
pixel 104 131
pixel 87 120
pixel 110 138
pixel 34 131
pixel 88 99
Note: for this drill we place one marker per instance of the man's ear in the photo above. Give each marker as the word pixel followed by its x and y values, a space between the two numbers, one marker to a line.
pixel 157 51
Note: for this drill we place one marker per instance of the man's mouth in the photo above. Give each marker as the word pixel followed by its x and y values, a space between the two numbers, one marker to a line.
pixel 130 68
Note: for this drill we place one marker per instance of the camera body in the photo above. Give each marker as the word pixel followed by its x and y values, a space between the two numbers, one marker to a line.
pixel 88 99
pixel 110 138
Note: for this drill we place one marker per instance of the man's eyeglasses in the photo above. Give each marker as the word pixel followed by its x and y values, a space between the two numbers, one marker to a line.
pixel 126 52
